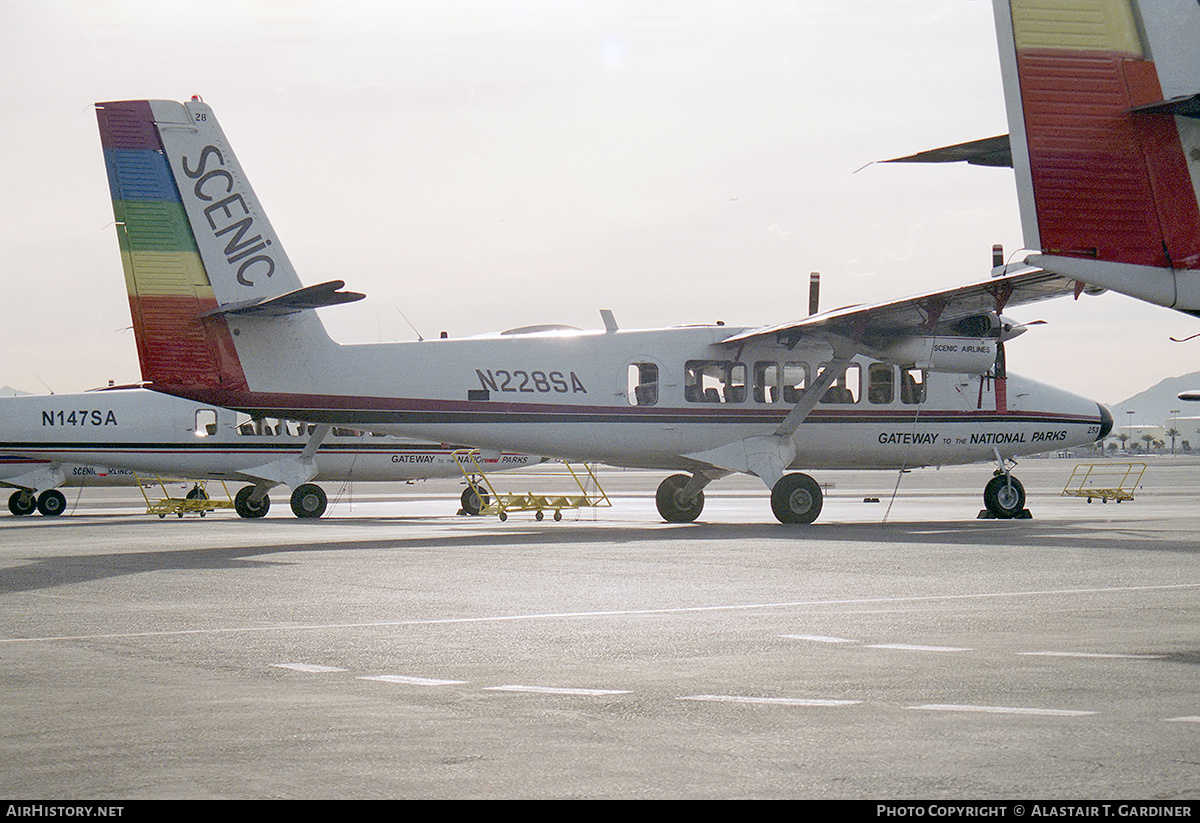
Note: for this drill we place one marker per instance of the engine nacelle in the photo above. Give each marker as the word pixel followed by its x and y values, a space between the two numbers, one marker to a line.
pixel 957 355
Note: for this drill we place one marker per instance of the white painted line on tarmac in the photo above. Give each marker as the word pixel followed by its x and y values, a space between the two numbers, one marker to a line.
pixel 556 690
pixel 735 607
pixel 307 667
pixel 770 701
pixel 951 707
pixel 1098 655
pixel 818 638
pixel 413 681
pixel 1185 719
pixel 906 647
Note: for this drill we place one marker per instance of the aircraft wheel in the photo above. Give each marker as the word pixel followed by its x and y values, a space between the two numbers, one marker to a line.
pixel 51 503
pixel 1004 496
pixel 22 503
pixel 671 506
pixel 196 493
pixel 796 498
pixel 474 502
pixel 309 500
pixel 243 506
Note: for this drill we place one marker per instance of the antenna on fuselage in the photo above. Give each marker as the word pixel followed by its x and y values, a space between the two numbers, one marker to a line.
pixel 420 339
pixel 814 293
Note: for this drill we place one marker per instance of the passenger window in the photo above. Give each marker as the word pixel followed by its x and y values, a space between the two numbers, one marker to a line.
pixel 206 422
pixel 766 382
pixel 714 381
pixel 846 388
pixel 642 384
pixel 881 383
pixel 912 386
pixel 795 381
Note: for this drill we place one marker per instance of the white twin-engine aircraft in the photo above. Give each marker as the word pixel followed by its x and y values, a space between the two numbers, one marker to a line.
pixel 123 436
pixel 221 317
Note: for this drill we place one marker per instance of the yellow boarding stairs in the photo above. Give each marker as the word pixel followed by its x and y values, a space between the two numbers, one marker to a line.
pixel 196 501
pixel 481 497
pixel 1106 481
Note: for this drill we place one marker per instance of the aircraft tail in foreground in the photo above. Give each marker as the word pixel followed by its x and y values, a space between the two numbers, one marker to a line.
pixel 1103 102
pixel 196 245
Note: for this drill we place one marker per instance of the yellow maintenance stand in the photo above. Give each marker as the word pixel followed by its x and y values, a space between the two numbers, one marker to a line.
pixel 1106 481
pixel 481 497
pixel 195 501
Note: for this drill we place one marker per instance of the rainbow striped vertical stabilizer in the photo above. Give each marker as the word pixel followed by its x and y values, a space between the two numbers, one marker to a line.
pixel 165 277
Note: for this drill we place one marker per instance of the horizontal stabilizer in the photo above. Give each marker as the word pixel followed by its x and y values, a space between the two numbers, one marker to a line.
pixel 1186 106
pixel 309 297
pixel 991 151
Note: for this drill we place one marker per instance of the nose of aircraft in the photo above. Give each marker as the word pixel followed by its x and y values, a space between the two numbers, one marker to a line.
pixel 1106 422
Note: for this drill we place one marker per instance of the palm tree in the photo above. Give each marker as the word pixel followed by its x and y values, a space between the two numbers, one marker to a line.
pixel 1149 438
pixel 1172 433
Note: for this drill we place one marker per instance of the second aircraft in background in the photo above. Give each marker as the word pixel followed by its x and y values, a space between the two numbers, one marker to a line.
pixel 59 439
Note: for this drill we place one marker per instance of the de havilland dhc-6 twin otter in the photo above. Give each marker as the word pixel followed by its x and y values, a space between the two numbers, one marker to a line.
pixel 221 317
pixel 128 436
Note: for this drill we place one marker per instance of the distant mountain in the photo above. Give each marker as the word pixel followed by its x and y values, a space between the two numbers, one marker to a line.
pixel 1157 406
pixel 9 391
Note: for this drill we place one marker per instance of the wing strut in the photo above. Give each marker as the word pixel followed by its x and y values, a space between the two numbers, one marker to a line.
pixel 843 352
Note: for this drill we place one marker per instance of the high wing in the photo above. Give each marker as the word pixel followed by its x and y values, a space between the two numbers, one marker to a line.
pixel 960 311
pixel 990 151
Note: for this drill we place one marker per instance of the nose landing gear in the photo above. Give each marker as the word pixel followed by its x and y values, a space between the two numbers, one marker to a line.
pixel 1004 496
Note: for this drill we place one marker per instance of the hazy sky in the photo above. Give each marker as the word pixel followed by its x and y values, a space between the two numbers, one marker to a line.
pixel 481 165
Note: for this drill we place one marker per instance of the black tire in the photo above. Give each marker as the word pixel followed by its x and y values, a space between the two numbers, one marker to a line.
pixel 671 507
pixel 309 500
pixel 796 498
pixel 474 502
pixel 51 503
pixel 22 503
pixel 244 508
pixel 196 493
pixel 1004 497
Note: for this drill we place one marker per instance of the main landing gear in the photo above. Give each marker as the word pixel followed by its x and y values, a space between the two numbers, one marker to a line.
pixel 308 500
pixel 673 501
pixel 51 503
pixel 796 498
